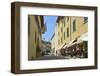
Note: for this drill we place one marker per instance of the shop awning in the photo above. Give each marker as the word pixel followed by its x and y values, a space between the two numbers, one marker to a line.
pixel 66 45
pixel 84 37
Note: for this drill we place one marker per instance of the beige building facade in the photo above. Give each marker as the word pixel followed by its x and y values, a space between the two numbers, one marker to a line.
pixel 53 44
pixel 35 29
pixel 68 29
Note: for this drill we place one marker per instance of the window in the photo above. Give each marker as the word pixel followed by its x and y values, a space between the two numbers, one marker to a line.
pixel 35 37
pixel 28 25
pixel 62 22
pixel 67 32
pixel 58 42
pixel 64 35
pixel 85 19
pixel 61 29
pixel 74 26
pixel 67 19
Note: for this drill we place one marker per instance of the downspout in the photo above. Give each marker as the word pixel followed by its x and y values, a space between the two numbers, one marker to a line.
pixel 70 28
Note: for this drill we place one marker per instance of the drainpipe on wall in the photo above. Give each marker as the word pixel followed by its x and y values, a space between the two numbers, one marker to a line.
pixel 70 28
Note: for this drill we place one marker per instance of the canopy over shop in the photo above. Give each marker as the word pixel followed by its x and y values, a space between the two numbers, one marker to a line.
pixel 77 47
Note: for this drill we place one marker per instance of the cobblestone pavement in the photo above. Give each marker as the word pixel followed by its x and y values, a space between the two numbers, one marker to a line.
pixel 48 57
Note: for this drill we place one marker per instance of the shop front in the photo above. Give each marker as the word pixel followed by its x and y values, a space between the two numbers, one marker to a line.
pixel 77 48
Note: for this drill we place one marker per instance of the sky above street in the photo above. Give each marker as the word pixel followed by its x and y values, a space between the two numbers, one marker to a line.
pixel 50 22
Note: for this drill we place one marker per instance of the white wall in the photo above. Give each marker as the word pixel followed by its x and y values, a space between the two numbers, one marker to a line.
pixel 5 42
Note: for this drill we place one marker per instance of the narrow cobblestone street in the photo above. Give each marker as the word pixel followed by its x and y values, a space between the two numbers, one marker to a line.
pixel 46 57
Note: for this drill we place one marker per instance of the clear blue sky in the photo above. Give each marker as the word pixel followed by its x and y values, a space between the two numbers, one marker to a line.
pixel 50 22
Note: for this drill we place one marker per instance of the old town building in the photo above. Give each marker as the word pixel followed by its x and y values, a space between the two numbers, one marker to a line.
pixel 35 29
pixel 70 32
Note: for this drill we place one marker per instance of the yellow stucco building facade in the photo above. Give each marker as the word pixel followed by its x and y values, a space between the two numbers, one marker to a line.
pixel 68 29
pixel 35 29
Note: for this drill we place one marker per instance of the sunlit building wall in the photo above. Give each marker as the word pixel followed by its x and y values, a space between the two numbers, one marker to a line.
pixel 53 44
pixel 68 29
pixel 35 29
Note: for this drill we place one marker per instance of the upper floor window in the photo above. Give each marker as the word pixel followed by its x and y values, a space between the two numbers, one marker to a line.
pixel 35 36
pixel 61 29
pixel 67 19
pixel 28 25
pixel 64 35
pixel 85 19
pixel 74 25
pixel 64 22
pixel 67 32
